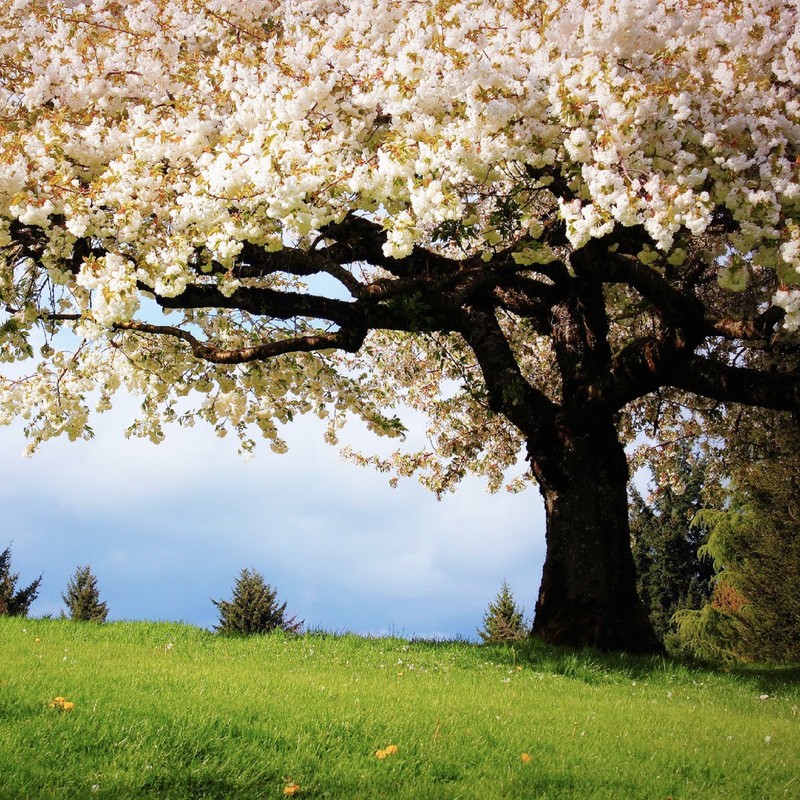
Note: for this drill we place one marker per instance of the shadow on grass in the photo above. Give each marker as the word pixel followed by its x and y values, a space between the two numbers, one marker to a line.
pixel 770 679
pixel 587 665
pixel 596 667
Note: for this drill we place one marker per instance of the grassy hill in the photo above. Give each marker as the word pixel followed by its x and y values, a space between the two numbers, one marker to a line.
pixel 164 710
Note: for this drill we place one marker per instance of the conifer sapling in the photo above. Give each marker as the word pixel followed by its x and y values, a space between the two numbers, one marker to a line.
pixel 82 597
pixel 503 621
pixel 254 608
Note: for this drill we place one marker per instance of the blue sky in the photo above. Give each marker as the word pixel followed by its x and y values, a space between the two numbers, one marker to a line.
pixel 167 527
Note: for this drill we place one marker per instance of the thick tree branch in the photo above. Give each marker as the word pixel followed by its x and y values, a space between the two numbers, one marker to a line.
pixel 349 341
pixel 646 363
pixel 417 302
pixel 264 302
pixel 521 302
pixel 356 238
pixel 678 308
pixel 640 368
pixel 761 327
pixel 255 262
pixel 509 392
pixel 751 387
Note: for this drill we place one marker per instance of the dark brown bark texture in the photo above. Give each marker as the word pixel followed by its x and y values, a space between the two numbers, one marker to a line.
pixel 619 330
pixel 588 591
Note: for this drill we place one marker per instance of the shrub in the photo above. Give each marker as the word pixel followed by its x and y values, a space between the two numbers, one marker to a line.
pixel 254 608
pixel 13 602
pixel 82 597
pixel 503 621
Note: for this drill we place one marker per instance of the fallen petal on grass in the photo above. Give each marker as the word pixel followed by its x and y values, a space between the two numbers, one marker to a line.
pixel 61 703
pixel 389 750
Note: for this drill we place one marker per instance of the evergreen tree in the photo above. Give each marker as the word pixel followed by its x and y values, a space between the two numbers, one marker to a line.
pixel 670 574
pixel 254 608
pixel 13 602
pixel 503 621
pixel 82 597
pixel 754 613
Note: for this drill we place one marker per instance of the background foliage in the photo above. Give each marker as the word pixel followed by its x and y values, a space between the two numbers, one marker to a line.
pixel 671 575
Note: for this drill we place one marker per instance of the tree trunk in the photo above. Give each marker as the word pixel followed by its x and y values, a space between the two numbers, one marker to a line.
pixel 588 594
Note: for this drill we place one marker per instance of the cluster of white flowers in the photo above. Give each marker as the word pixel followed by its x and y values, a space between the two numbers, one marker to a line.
pixel 789 300
pixel 115 298
pixel 157 127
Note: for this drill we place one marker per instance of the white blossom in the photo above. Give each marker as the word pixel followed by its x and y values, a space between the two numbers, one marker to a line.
pixel 155 129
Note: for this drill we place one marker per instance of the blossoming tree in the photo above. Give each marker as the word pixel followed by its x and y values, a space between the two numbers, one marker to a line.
pixel 523 217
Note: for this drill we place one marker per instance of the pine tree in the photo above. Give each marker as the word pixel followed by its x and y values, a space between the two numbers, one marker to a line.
pixel 82 597
pixel 671 576
pixel 503 621
pixel 13 602
pixel 254 608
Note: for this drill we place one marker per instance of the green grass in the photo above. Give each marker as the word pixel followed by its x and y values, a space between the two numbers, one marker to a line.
pixel 170 711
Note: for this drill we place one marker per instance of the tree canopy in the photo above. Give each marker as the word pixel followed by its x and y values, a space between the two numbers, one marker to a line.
pixel 522 218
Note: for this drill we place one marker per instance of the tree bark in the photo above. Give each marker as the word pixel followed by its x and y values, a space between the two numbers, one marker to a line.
pixel 588 593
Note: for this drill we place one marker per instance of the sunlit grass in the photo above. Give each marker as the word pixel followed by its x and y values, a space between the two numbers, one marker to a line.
pixel 171 711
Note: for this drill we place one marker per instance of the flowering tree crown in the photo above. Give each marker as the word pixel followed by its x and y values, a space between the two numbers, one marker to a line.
pixel 297 185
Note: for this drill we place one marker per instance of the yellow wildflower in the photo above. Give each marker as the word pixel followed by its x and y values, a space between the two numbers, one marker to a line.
pixel 291 788
pixel 391 749
pixel 526 758
pixel 381 754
